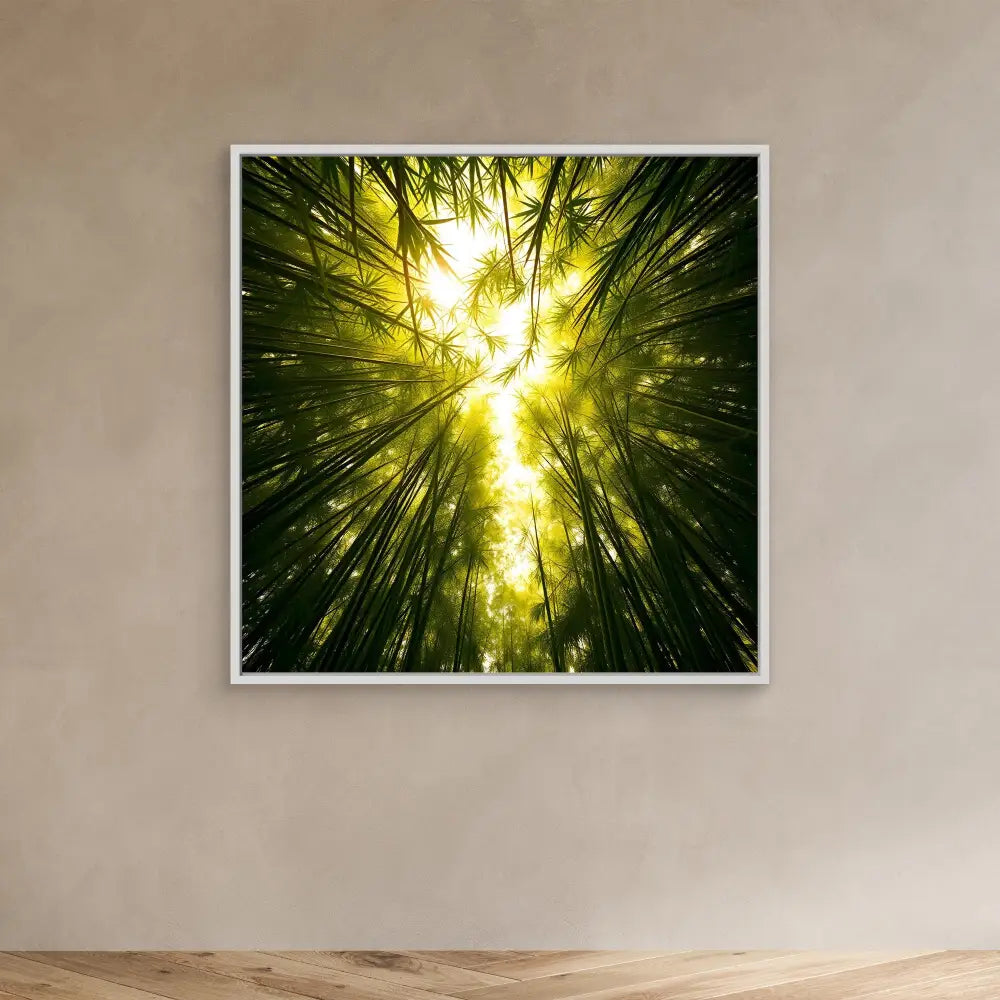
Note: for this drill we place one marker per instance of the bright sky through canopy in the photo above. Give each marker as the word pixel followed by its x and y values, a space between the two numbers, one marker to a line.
pixel 514 482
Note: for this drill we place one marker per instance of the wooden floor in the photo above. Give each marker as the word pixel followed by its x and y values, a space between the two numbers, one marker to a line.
pixel 499 975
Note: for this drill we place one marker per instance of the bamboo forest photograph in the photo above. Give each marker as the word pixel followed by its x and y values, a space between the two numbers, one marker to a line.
pixel 498 414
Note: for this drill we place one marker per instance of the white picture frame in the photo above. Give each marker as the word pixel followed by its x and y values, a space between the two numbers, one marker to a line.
pixel 762 153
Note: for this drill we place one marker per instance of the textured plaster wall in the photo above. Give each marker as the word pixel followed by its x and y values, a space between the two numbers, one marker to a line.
pixel 145 803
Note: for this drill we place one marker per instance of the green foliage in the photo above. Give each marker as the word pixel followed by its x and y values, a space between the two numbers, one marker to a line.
pixel 499 413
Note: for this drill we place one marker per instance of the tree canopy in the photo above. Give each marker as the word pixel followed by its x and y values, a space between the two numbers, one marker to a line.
pixel 499 413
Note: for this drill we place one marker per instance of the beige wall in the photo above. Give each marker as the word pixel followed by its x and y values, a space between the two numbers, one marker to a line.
pixel 144 802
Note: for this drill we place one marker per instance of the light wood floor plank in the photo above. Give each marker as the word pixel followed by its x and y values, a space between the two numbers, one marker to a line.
pixel 403 969
pixel 983 985
pixel 668 966
pixel 24 978
pixel 148 971
pixel 559 963
pixel 751 975
pixel 860 984
pixel 474 959
pixel 272 970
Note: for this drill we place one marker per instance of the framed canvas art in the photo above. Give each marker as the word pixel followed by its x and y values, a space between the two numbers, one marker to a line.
pixel 499 414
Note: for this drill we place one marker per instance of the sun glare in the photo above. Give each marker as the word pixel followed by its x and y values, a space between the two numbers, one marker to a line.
pixel 446 290
pixel 464 246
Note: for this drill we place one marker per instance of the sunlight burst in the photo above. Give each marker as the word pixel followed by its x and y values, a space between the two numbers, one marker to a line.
pixel 506 375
